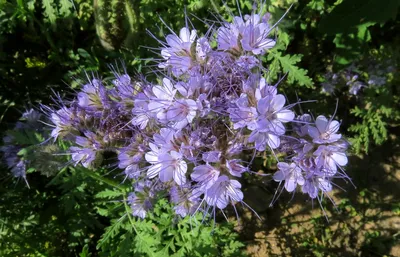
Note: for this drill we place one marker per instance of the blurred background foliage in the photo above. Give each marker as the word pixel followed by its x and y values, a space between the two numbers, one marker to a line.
pixel 344 54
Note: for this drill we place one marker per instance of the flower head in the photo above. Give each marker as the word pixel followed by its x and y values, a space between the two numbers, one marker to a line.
pixel 324 130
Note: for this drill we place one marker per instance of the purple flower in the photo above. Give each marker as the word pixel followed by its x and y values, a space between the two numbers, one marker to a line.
pixel 355 87
pixel 30 119
pixel 178 54
pixel 139 207
pixel 173 166
pixel 94 97
pixel 152 158
pixel 263 90
pixel 248 62
pixel 65 122
pixel 85 156
pixel 124 85
pixel 291 174
pixel 205 175
pixel 262 139
pixel 125 92
pixel 167 166
pixel 243 115
pixel 203 48
pixel 228 35
pixel 182 112
pixel 141 113
pixel 87 153
pixel 129 158
pixel 223 192
pixel 13 161
pixel 179 45
pixel 301 125
pixel 325 130
pixel 165 139
pixel 164 98
pixel 186 203
pixel 251 33
pixel 212 156
pixel 19 169
pixel 313 184
pixel 185 135
pixel 376 80
pixel 235 168
pixel 272 114
pixel 306 163
pixel 141 200
pixel 255 34
pixel 329 158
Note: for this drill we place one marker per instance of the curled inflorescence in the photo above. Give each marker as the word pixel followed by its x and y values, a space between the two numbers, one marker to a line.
pixel 196 132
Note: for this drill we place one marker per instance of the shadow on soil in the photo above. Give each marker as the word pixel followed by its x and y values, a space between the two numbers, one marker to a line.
pixel 365 220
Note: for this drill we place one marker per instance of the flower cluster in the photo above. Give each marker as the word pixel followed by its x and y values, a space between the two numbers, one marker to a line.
pixel 189 134
pixel 354 80
pixel 17 139
pixel 318 155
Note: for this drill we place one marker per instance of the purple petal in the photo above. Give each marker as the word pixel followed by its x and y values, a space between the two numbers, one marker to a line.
pixel 278 102
pixel 279 176
pixel 333 126
pixel 290 185
pixel 321 123
pixel 179 174
pixel 339 158
pixel 263 105
pixel 154 170
pixel 285 115
pixel 273 141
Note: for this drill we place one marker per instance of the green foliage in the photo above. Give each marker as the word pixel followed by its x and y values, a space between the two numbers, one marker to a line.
pixel 287 64
pixel 373 125
pixel 377 108
pixel 352 13
pixel 54 219
pixel 48 45
pixel 160 234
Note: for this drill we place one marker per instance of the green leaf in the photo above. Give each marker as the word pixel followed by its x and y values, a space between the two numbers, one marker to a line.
pixel 102 211
pixel 288 64
pixel 112 231
pixel 66 7
pixel 109 194
pixel 49 11
pixel 85 252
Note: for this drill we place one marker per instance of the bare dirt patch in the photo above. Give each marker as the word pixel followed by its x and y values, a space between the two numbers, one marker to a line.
pixel 365 222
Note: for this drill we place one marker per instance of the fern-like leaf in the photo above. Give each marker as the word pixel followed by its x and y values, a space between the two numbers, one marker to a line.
pixel 66 7
pixel 288 64
pixel 112 231
pixel 109 194
pixel 50 12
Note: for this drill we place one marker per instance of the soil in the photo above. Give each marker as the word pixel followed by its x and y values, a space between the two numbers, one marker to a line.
pixel 363 221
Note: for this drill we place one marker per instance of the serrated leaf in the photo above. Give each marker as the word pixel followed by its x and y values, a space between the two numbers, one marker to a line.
pixel 66 7
pixel 49 11
pixel 102 212
pixel 111 231
pixel 109 194
pixel 295 74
